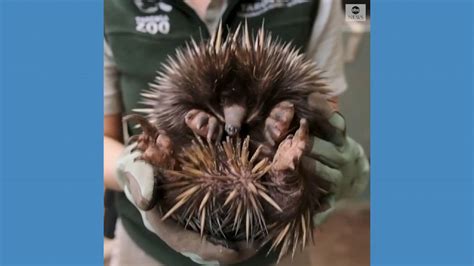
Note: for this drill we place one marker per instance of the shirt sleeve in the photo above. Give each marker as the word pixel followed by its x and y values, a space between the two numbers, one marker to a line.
pixel 112 97
pixel 326 44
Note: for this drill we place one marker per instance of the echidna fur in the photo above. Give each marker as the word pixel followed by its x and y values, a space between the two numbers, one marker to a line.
pixel 209 187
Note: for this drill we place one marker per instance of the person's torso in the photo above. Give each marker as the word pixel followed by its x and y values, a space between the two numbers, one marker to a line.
pixel 142 36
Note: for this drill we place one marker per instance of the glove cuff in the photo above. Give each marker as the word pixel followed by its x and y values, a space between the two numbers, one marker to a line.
pixel 136 178
pixel 121 164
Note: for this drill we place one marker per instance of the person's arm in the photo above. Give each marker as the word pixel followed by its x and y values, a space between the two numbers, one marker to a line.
pixel 113 146
pixel 326 45
pixel 112 150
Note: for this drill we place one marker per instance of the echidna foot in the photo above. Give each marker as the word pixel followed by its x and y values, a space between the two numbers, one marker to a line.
pixel 159 153
pixel 204 124
pixel 290 151
pixel 155 145
pixel 278 122
pixel 285 173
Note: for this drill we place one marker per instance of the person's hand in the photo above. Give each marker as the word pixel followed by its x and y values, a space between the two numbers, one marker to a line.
pixel 344 164
pixel 137 179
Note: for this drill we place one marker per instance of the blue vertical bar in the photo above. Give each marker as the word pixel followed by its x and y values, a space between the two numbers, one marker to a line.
pixel 422 133
pixel 51 132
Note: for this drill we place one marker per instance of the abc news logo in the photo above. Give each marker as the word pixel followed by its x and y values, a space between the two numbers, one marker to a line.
pixel 355 12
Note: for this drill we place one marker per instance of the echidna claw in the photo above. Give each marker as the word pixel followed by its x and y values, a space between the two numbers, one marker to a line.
pixel 155 145
pixel 204 124
pixel 146 126
pixel 131 140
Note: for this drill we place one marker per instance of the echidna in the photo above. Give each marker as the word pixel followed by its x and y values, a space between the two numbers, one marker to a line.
pixel 227 122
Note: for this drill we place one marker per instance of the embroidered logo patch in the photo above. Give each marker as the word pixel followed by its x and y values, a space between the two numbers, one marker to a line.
pixel 153 24
pixel 248 10
pixel 152 6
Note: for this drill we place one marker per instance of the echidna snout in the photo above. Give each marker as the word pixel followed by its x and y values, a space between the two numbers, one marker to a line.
pixel 231 130
pixel 233 116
